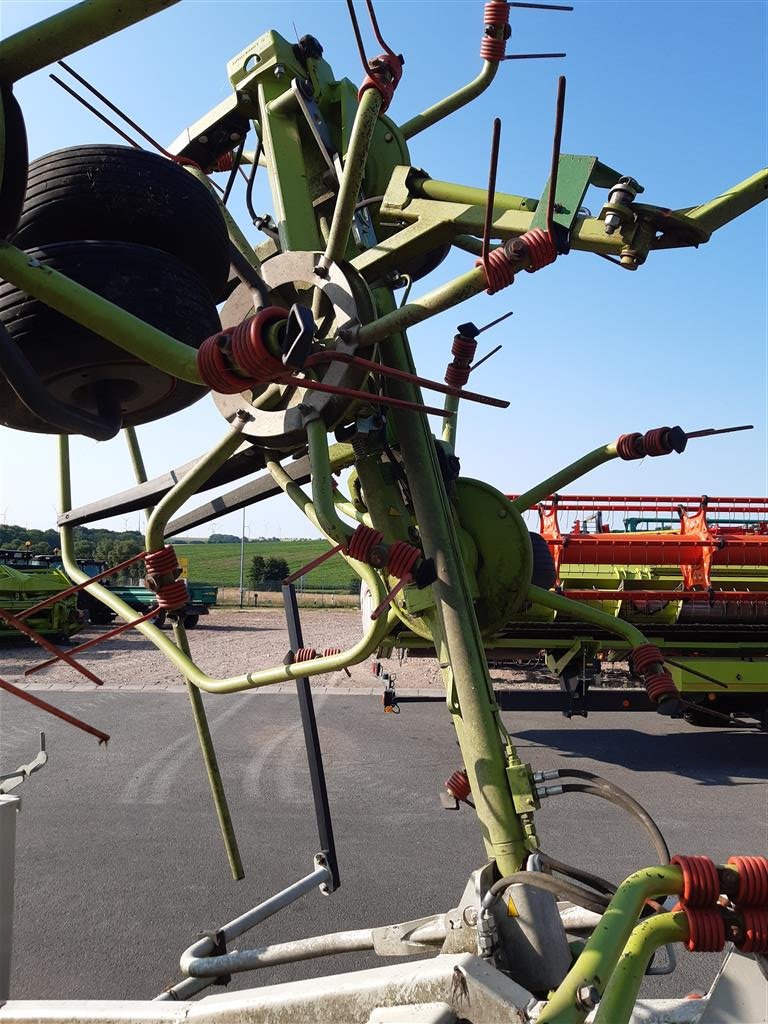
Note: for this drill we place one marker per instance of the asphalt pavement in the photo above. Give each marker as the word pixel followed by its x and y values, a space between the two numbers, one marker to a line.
pixel 120 865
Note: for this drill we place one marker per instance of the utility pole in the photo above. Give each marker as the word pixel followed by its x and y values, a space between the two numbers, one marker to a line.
pixel 242 559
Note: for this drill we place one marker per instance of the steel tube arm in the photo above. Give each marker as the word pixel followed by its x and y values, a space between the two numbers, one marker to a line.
pixel 599 957
pixel 281 953
pixel 730 204
pixel 549 599
pixel 451 103
pixel 624 984
pixel 566 476
pixel 322 484
pixel 61 34
pixel 99 315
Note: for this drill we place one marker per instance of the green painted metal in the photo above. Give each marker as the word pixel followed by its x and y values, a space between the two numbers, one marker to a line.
pixel 574 176
pixel 63 33
pixel 702 674
pixel 554 483
pixel 98 314
pixel 601 954
pixel 451 103
pixel 585 613
pixel 731 204
pixel 621 991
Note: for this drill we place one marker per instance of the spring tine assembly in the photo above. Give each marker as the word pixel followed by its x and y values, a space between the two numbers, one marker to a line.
pixel 556 141
pixel 377 31
pixel 532 56
pixel 389 371
pixel 94 640
pixel 102 737
pixel 709 431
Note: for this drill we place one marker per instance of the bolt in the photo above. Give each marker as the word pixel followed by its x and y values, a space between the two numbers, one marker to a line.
pixel 279 71
pixel 587 997
pixel 234 136
pixel 388 136
pixel 502 514
pixel 33 262
pixel 612 221
pixel 203 139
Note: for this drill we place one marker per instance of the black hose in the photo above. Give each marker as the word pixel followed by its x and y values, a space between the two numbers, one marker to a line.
pixel 601 884
pixel 630 806
pixel 607 790
pixel 248 275
pixel 249 187
pixel 593 901
pixel 233 173
pixel 63 418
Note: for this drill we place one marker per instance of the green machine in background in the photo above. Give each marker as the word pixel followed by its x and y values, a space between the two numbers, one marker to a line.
pixel 314 344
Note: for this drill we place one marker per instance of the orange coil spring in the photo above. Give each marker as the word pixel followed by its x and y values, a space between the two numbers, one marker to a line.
pixel 172 595
pixel 630 446
pixel 458 785
pixel 249 351
pixel 755 931
pixel 225 162
pixel 495 17
pixel 644 656
pixel 656 442
pixel 499 271
pixel 701 884
pixel 402 558
pixel 362 542
pixel 659 685
pixel 753 881
pixel 456 376
pixel 541 249
pixel 213 369
pixel 329 652
pixel 706 929
pixel 305 654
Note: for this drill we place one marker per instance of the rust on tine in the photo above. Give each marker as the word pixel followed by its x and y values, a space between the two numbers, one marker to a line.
pixel 358 36
pixel 709 431
pixel 95 640
pixel 559 111
pixel 495 138
pixel 102 737
pixel 376 30
pixel 93 110
pixel 48 646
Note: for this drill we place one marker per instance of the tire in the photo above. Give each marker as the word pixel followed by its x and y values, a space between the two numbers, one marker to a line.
pixel 114 193
pixel 15 160
pixel 544 574
pixel 191 621
pixel 75 364
pixel 159 619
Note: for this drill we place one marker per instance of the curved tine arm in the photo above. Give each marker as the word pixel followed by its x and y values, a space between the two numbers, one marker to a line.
pixel 451 103
pixel 577 610
pixel 566 476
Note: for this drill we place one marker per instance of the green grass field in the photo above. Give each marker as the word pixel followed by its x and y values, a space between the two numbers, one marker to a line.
pixel 219 564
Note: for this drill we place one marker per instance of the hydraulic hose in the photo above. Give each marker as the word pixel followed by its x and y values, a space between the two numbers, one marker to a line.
pixel 598 786
pixel 593 901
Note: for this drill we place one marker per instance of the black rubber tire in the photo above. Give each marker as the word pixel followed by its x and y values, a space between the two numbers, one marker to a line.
pixel 15 161
pixel 191 621
pixel 544 574
pixel 73 362
pixel 114 193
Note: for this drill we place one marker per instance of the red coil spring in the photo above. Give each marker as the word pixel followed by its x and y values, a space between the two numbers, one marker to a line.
pixel 659 685
pixel 173 594
pixel 464 348
pixel 456 376
pixel 499 271
pixel 495 16
pixel 753 881
pixel 402 558
pixel 249 351
pixel 458 785
pixel 384 74
pixel 630 446
pixel 755 931
pixel 213 369
pixel 644 656
pixel 225 162
pixel 329 652
pixel 305 654
pixel 706 929
pixel 362 542
pixel 656 442
pixel 701 883
pixel 541 249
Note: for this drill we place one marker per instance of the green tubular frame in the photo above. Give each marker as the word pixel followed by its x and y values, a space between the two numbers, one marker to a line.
pixel 60 35
pixel 451 103
pixel 372 637
pixel 598 960
pixel 648 936
pixel 588 462
pixel 583 611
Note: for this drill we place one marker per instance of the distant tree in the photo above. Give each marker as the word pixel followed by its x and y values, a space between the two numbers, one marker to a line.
pixel 256 571
pixel 276 569
pixel 83 549
pixel 223 538
pixel 41 548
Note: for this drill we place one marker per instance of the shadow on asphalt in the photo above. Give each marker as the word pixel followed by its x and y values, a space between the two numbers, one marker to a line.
pixel 710 757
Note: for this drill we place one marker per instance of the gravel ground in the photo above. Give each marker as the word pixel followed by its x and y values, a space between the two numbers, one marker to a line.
pixel 228 642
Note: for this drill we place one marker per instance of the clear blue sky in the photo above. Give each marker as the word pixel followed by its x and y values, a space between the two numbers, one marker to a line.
pixel 671 93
